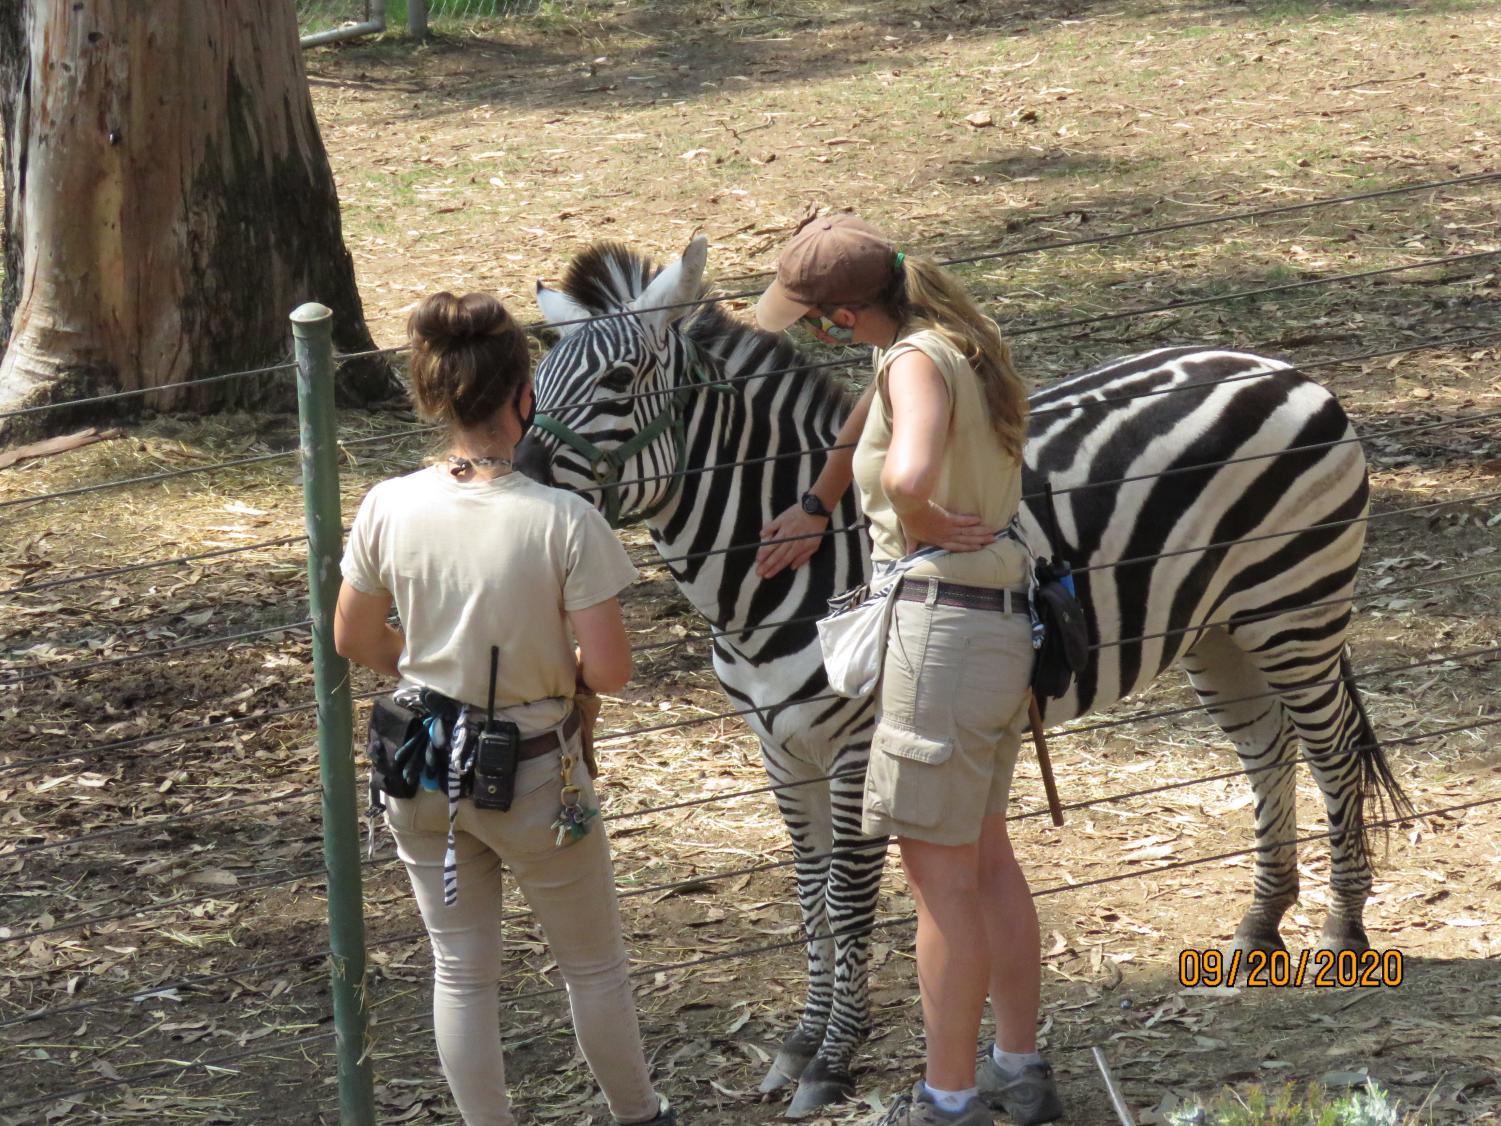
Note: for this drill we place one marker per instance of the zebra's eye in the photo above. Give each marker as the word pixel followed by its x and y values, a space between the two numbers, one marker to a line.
pixel 617 379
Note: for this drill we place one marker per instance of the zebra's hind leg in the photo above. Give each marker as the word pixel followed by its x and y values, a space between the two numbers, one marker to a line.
pixel 1351 770
pixel 1238 697
pixel 804 804
pixel 853 884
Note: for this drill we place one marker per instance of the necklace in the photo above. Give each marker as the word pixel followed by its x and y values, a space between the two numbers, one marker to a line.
pixel 458 466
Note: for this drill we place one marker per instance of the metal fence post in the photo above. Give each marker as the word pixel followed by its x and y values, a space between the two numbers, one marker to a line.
pixel 417 19
pixel 312 331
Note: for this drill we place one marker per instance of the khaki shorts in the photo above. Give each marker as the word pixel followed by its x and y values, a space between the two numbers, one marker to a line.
pixel 953 703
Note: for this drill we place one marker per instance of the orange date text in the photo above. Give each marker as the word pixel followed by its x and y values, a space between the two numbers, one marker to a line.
pixel 1277 969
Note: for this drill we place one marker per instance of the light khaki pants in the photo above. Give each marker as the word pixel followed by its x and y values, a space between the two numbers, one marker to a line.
pixel 571 890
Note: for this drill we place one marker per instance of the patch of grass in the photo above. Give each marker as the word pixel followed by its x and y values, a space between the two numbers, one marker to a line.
pixel 1290 1105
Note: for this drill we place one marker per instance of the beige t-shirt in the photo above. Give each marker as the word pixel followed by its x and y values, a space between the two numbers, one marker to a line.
pixel 978 476
pixel 476 564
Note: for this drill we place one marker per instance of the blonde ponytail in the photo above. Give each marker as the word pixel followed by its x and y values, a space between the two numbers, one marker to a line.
pixel 929 297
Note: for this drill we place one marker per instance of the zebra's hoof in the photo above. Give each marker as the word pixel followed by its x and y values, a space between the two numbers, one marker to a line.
pixel 820 1086
pixel 1340 934
pixel 1263 941
pixel 1257 934
pixel 792 1060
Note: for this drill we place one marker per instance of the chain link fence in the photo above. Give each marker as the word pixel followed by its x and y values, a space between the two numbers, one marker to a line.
pixel 453 14
pixel 331 21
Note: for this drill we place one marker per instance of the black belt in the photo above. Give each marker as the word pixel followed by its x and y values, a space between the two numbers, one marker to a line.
pixel 964 597
pixel 535 746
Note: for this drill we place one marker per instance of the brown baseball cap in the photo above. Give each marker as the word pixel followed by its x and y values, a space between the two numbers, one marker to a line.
pixel 836 260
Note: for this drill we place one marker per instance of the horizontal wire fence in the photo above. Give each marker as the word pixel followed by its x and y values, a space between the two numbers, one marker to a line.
pixel 714 799
pixel 703 880
pixel 1303 366
pixel 1038 248
pixel 15 676
pixel 1041 412
pixel 205 1067
pixel 209 1065
pixel 98 751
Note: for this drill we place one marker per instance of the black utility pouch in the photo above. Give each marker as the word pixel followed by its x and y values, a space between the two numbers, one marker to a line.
pixel 1065 634
pixel 1065 637
pixel 397 748
pixel 495 761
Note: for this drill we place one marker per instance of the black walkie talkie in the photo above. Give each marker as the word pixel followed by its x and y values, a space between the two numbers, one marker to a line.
pixel 495 761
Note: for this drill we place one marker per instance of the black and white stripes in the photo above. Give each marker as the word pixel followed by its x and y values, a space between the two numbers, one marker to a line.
pixel 1162 412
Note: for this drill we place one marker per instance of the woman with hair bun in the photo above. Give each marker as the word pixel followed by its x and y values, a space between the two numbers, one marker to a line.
pixel 506 592
pixel 937 462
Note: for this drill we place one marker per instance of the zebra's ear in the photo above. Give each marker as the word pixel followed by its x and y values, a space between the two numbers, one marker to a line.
pixel 558 307
pixel 681 282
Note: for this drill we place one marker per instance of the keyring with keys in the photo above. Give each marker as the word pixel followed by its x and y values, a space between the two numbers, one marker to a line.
pixel 573 820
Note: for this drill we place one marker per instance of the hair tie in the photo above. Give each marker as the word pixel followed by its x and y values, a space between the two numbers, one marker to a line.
pixel 900 258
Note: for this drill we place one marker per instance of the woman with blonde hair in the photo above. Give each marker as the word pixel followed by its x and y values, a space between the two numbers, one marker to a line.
pixel 938 465
pixel 506 591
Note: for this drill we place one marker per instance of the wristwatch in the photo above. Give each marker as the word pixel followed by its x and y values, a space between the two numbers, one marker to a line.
pixel 815 507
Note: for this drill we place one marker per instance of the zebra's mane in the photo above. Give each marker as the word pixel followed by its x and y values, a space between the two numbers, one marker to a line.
pixel 606 276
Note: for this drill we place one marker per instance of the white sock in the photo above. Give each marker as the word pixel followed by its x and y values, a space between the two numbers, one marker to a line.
pixel 951 1101
pixel 1013 1062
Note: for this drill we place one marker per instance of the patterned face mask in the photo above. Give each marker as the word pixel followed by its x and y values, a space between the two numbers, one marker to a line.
pixel 820 322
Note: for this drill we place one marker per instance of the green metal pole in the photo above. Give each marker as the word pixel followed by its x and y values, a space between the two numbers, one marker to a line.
pixel 312 330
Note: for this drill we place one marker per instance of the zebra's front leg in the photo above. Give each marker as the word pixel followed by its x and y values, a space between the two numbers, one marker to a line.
pixel 854 882
pixel 1238 697
pixel 804 804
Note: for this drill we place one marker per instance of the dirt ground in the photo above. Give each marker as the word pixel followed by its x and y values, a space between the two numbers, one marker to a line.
pixel 483 161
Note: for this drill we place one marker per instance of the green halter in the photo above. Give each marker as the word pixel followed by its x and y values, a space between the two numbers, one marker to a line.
pixel 606 465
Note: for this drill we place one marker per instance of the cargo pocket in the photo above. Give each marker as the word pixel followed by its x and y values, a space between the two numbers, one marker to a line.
pixel 907 780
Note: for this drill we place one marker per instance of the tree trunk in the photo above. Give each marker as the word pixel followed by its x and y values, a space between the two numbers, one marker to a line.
pixel 168 201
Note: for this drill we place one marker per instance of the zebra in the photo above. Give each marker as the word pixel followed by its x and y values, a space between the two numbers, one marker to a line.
pixel 659 409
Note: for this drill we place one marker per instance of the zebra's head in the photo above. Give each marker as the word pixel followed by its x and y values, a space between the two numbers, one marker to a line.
pixel 609 422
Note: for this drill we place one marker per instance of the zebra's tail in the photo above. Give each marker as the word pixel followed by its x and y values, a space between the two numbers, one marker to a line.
pixel 1379 788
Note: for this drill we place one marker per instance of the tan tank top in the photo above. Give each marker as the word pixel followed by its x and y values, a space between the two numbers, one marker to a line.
pixel 978 476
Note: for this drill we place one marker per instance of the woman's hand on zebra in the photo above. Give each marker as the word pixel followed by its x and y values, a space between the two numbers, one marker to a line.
pixel 935 526
pixel 772 558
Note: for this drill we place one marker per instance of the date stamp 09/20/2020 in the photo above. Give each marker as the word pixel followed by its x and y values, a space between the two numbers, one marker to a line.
pixel 1343 969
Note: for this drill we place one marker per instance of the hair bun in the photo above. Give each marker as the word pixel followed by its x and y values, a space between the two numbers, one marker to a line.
pixel 444 320
pixel 469 358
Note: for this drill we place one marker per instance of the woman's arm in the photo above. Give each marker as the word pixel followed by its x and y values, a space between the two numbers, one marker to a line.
pixel 604 650
pixel 362 633
pixel 919 433
pixel 835 477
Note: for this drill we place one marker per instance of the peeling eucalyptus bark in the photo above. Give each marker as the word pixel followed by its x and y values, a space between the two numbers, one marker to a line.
pixel 168 201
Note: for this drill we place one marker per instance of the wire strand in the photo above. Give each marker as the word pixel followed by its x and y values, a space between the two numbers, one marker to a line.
pixel 272 369
pixel 150 564
pixel 1108 401
pixel 304 625
pixel 756 545
pixel 1284 287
